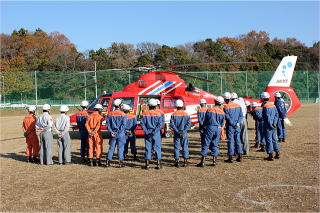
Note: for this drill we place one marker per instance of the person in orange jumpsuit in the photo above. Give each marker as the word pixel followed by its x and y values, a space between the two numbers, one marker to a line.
pixel 93 125
pixel 32 140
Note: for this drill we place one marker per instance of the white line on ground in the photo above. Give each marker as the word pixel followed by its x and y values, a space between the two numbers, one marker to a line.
pixel 243 191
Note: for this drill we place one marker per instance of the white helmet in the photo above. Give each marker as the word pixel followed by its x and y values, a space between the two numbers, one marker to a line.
pixel 265 95
pixel 84 103
pixel 158 101
pixel 64 108
pixel 32 108
pixel 117 102
pixel 98 106
pixel 152 102
pixel 126 107
pixel 219 99
pixel 254 104
pixel 234 95
pixel 179 103
pixel 203 101
pixel 46 107
pixel 247 103
pixel 226 95
pixel 277 95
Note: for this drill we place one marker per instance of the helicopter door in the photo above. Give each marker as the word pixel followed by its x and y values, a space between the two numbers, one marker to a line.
pixel 143 105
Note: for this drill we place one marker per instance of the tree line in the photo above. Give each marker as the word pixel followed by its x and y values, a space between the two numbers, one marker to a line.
pixel 23 51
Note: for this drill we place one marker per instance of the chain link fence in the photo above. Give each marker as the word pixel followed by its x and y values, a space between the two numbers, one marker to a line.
pixel 56 88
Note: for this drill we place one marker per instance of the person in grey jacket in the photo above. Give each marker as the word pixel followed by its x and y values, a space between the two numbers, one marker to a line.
pixel 43 126
pixel 62 125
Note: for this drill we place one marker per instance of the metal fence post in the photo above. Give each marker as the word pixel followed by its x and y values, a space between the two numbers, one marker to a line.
pixel 36 87
pixel 246 83
pixel 207 82
pixel 85 89
pixel 129 77
pixel 95 78
pixel 221 82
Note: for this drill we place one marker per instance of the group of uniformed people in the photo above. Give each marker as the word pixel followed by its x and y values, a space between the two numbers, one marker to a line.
pixel 230 117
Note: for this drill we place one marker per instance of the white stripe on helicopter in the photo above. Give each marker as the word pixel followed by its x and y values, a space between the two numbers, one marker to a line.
pixel 149 87
pixel 172 88
pixel 162 87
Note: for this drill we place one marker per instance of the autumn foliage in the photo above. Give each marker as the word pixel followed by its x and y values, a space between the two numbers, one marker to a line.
pixel 24 51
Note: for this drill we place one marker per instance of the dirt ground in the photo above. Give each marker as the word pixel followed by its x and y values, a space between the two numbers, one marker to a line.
pixel 290 184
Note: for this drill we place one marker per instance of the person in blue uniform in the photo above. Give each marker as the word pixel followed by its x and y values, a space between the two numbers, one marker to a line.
pixel 256 113
pixel 180 123
pixel 201 115
pixel 82 116
pixel 234 117
pixel 151 123
pixel 116 123
pixel 131 125
pixel 270 119
pixel 214 121
pixel 282 111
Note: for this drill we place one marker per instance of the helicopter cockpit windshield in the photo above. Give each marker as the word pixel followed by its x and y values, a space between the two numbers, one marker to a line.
pixel 191 88
pixel 93 103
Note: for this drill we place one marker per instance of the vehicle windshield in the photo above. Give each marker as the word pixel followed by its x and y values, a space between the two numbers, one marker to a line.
pixel 93 103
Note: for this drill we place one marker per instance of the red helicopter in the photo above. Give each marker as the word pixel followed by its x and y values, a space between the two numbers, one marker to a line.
pixel 167 87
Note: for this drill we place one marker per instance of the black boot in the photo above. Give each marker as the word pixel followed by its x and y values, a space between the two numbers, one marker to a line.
pixel 214 161
pixel 90 162
pixel 35 160
pixel 262 149
pixel 229 160
pixel 108 163
pixel 176 163
pixel 121 164
pixel 202 162
pixel 185 163
pixel 94 162
pixel 277 155
pixel 159 166
pixel 135 157
pixel 283 140
pixel 269 158
pixel 146 164
pixel 239 158
pixel 99 162
pixel 30 159
pixel 83 160
pixel 256 145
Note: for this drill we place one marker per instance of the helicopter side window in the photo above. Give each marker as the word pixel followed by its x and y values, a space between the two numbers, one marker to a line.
pixel 128 101
pixel 169 103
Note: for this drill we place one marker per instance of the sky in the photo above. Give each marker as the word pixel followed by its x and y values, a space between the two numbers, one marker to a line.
pixel 96 24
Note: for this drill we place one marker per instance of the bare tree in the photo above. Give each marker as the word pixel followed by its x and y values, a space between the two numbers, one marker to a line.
pixel 148 48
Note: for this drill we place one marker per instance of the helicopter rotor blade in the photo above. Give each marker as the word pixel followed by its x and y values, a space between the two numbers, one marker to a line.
pixel 93 84
pixel 89 85
pixel 191 76
pixel 218 63
pixel 84 72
